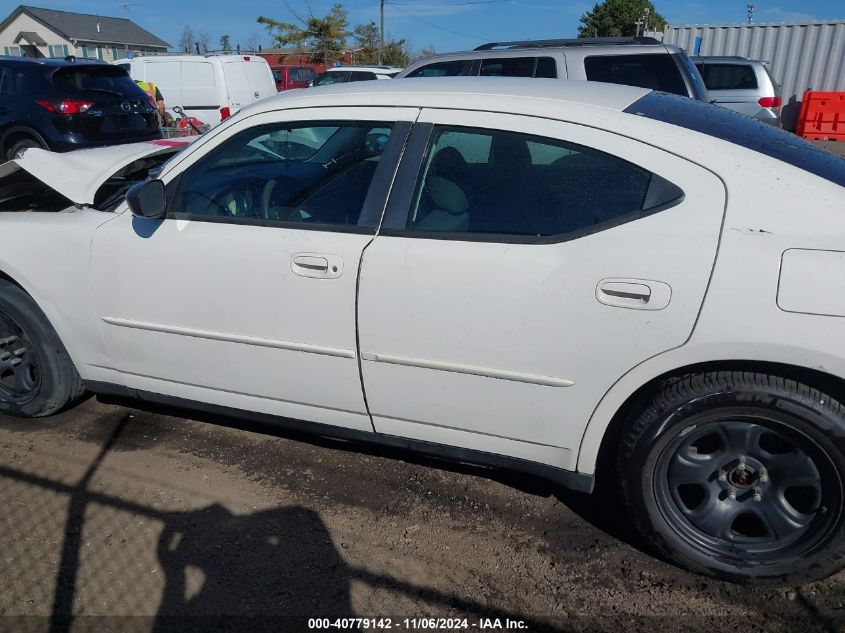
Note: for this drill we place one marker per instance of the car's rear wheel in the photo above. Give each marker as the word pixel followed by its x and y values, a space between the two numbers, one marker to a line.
pixel 37 377
pixel 740 476
pixel 16 149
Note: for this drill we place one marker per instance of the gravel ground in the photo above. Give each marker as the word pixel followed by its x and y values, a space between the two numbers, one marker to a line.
pixel 119 520
pixel 835 147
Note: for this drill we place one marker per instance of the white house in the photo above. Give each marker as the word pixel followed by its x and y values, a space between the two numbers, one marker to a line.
pixel 35 32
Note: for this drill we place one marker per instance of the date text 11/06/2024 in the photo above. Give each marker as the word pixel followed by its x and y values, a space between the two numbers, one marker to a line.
pixel 418 624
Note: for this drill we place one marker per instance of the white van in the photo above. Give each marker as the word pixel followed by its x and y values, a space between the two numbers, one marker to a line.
pixel 209 87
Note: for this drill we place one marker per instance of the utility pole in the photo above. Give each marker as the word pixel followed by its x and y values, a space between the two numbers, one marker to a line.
pixel 381 34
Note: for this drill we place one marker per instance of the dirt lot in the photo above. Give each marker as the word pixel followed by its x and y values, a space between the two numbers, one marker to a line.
pixel 108 511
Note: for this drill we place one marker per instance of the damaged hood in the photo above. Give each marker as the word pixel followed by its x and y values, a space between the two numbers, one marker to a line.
pixel 79 174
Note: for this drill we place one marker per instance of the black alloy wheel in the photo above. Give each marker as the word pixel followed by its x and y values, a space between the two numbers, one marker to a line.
pixel 739 476
pixel 20 376
pixel 748 489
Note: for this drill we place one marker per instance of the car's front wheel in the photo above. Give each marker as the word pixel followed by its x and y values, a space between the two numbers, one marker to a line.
pixel 740 476
pixel 37 377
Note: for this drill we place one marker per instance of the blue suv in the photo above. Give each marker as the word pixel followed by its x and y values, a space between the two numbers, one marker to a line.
pixel 66 104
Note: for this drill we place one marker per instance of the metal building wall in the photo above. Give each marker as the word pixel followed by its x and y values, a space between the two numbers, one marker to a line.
pixel 802 56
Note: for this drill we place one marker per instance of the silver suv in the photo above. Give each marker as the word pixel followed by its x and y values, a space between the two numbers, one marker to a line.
pixel 743 85
pixel 633 61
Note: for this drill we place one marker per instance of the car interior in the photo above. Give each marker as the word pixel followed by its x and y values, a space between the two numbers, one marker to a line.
pixel 317 174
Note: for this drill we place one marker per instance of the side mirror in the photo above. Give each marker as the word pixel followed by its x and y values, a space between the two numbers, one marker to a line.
pixel 147 199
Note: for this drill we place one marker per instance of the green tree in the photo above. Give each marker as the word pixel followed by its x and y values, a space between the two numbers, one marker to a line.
pixel 367 41
pixel 396 53
pixel 618 18
pixel 323 38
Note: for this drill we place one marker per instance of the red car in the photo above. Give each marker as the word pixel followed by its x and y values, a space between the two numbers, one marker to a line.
pixel 293 76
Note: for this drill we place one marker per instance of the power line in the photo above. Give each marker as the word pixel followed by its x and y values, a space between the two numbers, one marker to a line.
pixel 432 24
pixel 445 4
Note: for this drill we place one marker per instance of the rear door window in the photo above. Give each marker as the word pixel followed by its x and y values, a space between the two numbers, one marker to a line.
pixel 328 78
pixel 728 76
pixel 360 75
pixel 451 68
pixel 518 67
pixel 507 184
pixel 302 74
pixel 657 71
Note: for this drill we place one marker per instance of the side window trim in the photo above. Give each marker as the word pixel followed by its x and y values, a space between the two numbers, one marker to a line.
pixel 413 160
pixel 402 194
pixel 372 210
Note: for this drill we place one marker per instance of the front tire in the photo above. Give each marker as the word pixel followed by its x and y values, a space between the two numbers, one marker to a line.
pixel 739 476
pixel 37 377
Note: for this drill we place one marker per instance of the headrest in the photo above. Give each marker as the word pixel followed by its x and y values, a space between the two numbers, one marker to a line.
pixel 447 195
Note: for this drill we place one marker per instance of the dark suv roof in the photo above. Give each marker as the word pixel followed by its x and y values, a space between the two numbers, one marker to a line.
pixel 47 62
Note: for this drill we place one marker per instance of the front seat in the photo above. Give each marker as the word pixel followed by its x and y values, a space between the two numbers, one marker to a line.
pixel 444 206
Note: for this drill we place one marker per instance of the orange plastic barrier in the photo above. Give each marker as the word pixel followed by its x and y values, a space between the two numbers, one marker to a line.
pixel 822 116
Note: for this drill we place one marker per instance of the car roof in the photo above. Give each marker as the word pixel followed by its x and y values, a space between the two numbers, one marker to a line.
pixel 374 69
pixel 727 59
pixel 51 62
pixel 501 94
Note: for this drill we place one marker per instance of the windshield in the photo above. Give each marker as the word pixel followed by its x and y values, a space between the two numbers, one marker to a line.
pixel 328 78
pixel 96 79
pixel 741 130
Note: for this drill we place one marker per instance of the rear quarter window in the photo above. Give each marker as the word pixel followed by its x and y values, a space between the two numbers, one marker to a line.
pixel 658 71
pixel 451 68
pixel 741 130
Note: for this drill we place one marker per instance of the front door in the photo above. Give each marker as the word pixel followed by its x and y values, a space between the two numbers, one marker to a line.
pixel 244 296
pixel 533 264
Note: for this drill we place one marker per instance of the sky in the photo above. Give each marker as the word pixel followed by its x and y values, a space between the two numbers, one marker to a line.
pixel 445 25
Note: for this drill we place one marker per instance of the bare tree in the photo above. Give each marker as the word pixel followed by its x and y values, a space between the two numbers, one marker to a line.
pixel 203 41
pixel 224 43
pixel 187 39
pixel 253 43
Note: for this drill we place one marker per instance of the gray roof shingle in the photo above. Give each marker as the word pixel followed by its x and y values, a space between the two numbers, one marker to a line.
pixel 82 26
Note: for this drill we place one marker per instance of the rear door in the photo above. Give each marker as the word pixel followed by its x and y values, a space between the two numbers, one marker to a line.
pixel 259 77
pixel 525 265
pixel 237 83
pixel 201 92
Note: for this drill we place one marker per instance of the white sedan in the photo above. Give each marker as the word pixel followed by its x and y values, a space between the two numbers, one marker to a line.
pixel 570 279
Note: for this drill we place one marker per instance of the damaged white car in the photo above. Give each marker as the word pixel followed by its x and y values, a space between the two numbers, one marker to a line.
pixel 570 279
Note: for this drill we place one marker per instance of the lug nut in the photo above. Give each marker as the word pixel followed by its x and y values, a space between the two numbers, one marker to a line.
pixel 723 476
pixel 6 341
pixel 758 494
pixel 732 493
pixel 5 356
pixel 19 351
pixel 764 475
pixel 16 362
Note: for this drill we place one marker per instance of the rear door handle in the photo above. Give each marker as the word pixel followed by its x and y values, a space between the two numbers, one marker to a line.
pixel 639 294
pixel 316 265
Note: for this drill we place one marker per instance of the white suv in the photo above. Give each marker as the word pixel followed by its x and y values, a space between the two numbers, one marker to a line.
pixel 344 74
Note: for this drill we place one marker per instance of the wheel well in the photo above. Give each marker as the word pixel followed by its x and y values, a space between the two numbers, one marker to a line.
pixel 6 277
pixel 636 402
pixel 17 134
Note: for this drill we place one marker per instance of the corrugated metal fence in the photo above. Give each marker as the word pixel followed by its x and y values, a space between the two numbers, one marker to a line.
pixel 802 56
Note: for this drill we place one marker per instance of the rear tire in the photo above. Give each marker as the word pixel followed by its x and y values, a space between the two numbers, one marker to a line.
pixel 20 145
pixel 739 476
pixel 37 377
